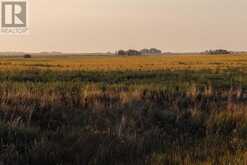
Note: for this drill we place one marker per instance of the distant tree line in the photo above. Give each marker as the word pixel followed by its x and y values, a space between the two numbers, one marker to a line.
pixel 218 51
pixel 133 52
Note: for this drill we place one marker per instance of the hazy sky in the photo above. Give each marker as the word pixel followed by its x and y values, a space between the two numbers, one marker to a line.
pixel 108 25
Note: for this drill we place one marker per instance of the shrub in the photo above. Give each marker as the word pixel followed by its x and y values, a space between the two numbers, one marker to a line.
pixel 27 56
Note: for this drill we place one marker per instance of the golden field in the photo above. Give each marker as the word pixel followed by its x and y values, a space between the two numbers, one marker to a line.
pixel 112 63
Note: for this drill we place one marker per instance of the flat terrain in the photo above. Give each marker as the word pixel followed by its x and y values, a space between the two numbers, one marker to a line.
pixel 73 110
pixel 110 63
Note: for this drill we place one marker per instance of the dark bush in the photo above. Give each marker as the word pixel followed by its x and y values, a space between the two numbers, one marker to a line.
pixel 27 56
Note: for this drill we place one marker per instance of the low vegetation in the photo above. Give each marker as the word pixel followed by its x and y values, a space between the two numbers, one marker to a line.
pixel 50 114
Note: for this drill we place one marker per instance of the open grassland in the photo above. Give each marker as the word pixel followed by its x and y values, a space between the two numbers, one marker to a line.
pixel 110 63
pixel 123 110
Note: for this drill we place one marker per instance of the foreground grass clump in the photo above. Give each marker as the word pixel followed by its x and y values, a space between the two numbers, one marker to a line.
pixel 114 117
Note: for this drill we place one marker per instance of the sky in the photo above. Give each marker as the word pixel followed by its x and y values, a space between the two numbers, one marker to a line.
pixel 109 25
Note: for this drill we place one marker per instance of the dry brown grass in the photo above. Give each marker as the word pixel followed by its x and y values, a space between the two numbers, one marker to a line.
pixel 110 63
pixel 143 110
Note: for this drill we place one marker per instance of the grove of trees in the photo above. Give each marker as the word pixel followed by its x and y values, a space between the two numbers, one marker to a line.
pixel 133 52
pixel 218 51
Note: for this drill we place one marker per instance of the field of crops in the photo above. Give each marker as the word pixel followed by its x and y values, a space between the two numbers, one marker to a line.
pixel 106 110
